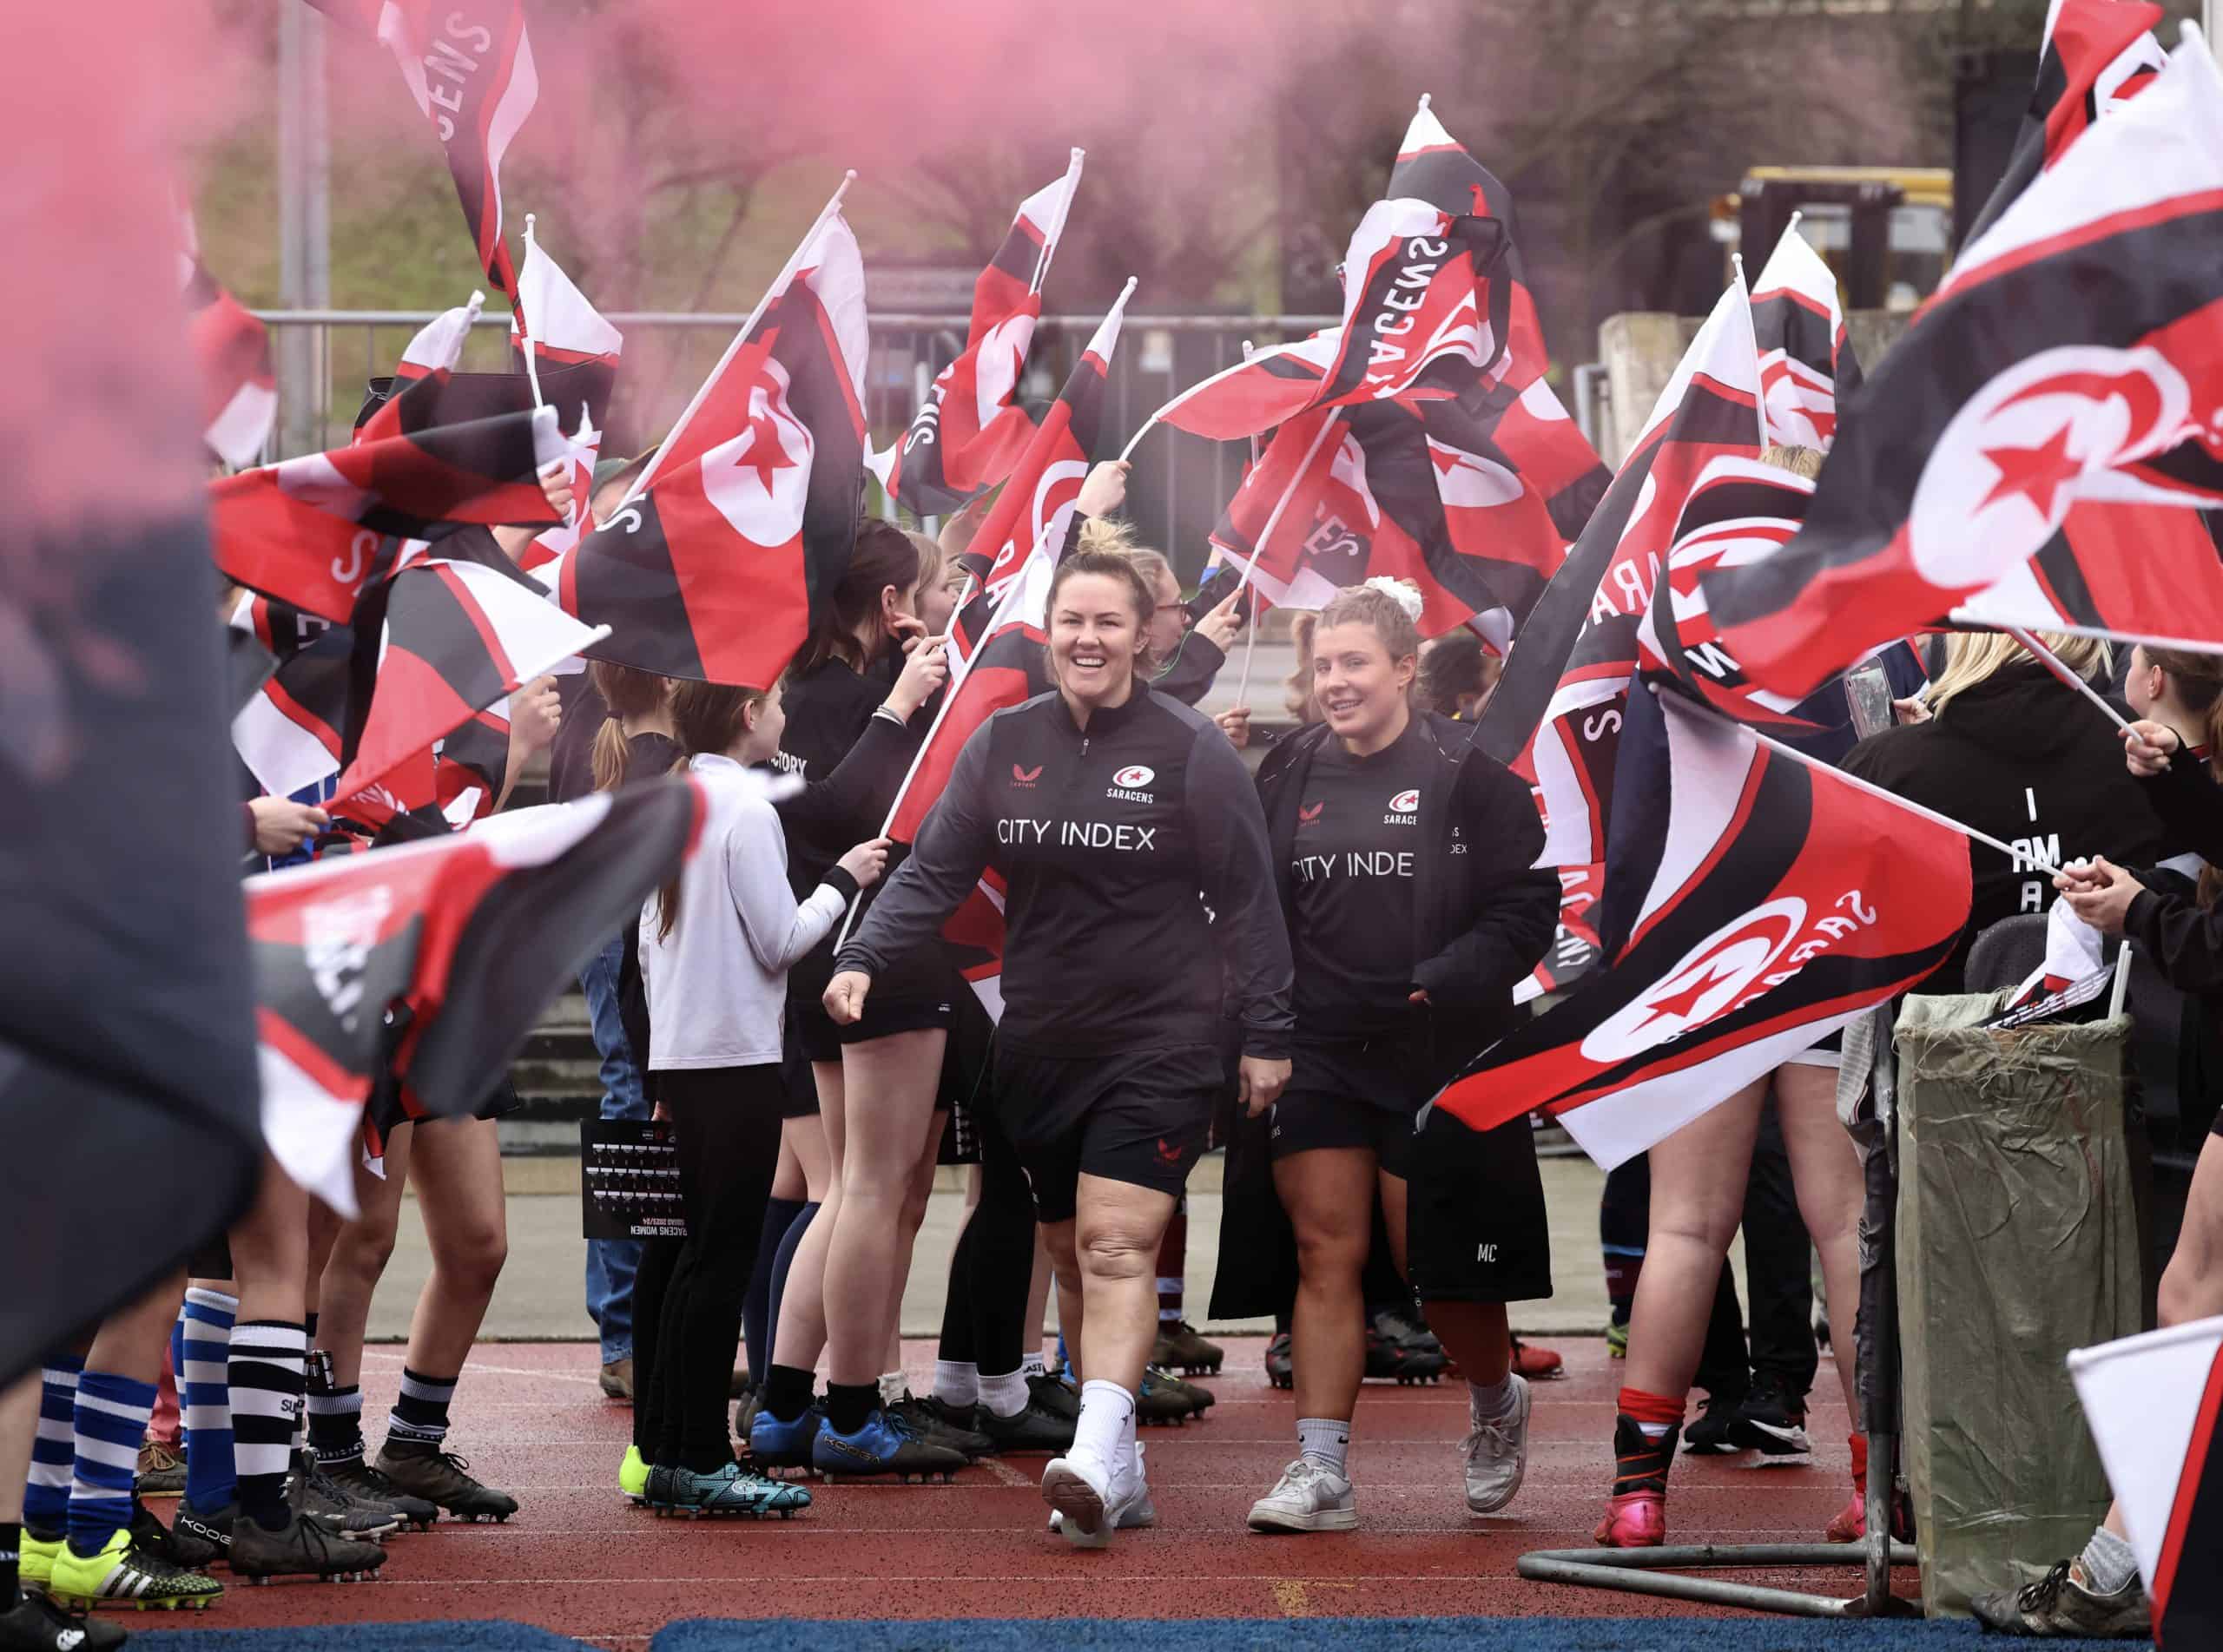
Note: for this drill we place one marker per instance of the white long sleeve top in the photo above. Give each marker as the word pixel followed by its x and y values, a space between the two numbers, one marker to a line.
pixel 717 984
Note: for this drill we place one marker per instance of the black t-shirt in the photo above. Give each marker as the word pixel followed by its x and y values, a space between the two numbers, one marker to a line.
pixel 1358 833
pixel 570 757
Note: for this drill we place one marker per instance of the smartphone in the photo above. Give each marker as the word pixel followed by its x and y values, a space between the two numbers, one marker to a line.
pixel 1867 695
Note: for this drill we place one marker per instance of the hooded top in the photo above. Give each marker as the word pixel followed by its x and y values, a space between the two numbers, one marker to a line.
pixel 2029 760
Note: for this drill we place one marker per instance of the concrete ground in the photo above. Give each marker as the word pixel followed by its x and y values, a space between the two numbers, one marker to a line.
pixel 542 1292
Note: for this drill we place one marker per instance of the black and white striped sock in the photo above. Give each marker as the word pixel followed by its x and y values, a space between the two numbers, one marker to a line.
pixel 420 1411
pixel 267 1360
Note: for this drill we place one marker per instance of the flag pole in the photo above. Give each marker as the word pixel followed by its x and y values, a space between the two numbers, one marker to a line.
pixel 1250 563
pixel 1135 440
pixel 779 285
pixel 1760 401
pixel 1057 229
pixel 525 327
pixel 1931 815
pixel 2061 669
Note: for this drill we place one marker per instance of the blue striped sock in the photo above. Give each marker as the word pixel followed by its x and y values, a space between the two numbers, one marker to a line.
pixel 112 1413
pixel 46 1491
pixel 204 1384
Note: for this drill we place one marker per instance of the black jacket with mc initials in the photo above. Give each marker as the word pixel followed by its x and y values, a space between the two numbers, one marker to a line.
pixel 1111 842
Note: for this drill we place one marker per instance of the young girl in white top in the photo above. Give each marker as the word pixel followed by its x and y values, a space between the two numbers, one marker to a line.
pixel 716 946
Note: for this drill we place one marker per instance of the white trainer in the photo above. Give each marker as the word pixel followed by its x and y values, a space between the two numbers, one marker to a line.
pixel 1129 1504
pixel 1308 1498
pixel 1079 1490
pixel 1497 1452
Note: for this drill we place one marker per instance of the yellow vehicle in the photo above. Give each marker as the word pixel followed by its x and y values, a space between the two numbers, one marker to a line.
pixel 1886 231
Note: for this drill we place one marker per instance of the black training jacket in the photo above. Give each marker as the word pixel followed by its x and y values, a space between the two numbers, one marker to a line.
pixel 1111 843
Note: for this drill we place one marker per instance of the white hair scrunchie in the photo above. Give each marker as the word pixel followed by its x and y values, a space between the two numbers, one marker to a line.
pixel 1402 592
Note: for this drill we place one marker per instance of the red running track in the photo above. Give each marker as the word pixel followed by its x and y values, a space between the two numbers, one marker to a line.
pixel 579 1559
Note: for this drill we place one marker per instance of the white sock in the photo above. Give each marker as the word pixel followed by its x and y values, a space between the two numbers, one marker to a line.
pixel 1035 1365
pixel 893 1386
pixel 1325 1441
pixel 1006 1395
pixel 1170 1287
pixel 956 1382
pixel 1493 1400
pixel 1107 1410
pixel 2108 1562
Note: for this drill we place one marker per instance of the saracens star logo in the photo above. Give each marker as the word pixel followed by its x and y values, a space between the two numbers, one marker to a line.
pixel 1134 777
pixel 754 479
pixel 1405 802
pixel 2027 445
pixel 1712 976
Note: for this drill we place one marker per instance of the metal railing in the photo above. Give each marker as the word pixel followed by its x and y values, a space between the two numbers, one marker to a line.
pixel 1179 484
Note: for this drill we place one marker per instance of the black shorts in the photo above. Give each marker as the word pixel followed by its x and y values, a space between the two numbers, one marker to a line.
pixel 1475 1228
pixel 800 1088
pixel 884 1016
pixel 1138 1118
pixel 1351 1093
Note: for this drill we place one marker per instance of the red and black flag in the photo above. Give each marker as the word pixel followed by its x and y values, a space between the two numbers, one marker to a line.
pixel 1434 167
pixel 971 432
pixel 1740 512
pixel 718 570
pixel 1575 948
pixel 1778 901
pixel 2143 572
pixel 469 65
pixel 290 732
pixel 426 964
pixel 311 531
pixel 239 387
pixel 570 355
pixel 415 396
pixel 2154 1404
pixel 1418 283
pixel 2094 54
pixel 1037 502
pixel 2074 352
pixel 1532 433
pixel 1807 361
pixel 1556 716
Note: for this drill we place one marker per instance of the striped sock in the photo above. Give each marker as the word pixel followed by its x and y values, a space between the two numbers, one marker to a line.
pixel 111 1421
pixel 420 1411
pixel 46 1493
pixel 205 1344
pixel 336 1426
pixel 267 1356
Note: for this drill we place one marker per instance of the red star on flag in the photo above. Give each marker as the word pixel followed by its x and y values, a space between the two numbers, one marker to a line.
pixel 1681 1004
pixel 2037 473
pixel 764 453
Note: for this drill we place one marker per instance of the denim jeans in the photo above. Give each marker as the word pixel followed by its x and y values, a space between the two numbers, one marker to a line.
pixel 611 1263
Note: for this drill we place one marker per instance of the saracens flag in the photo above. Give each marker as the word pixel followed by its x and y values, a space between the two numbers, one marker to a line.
pixel 570 356
pixel 717 572
pixel 1778 901
pixel 1556 715
pixel 1434 167
pixel 2074 352
pixel 414 398
pixel 2093 55
pixel 309 532
pixel 239 388
pixel 1037 502
pixel 2155 1404
pixel 970 432
pixel 469 65
pixel 1740 512
pixel 463 939
pixel 1807 361
pixel 1417 286
pixel 2143 572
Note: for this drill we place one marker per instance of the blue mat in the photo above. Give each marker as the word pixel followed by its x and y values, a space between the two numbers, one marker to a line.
pixel 1214 1634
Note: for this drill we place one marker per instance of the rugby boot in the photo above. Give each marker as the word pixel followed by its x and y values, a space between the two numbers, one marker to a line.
pixel 1162 1400
pixel 199 1537
pixel 317 1495
pixel 633 1476
pixel 1054 1395
pixel 302 1548
pixel 1636 1515
pixel 1714 1433
pixel 1388 1360
pixel 1034 1429
pixel 1281 1362
pixel 124 1574
pixel 369 1485
pixel 731 1491
pixel 1538 1364
pixel 1179 1348
pixel 939 1424
pixel 1771 1419
pixel 776 1447
pixel 421 1469
pixel 37 1624
pixel 35 1559
pixel 2060 1603
pixel 162 1472
pixel 885 1445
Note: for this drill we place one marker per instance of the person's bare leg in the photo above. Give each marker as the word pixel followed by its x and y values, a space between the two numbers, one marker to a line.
pixel 1825 1175
pixel 1058 1246
pixel 913 1217
pixel 801 1338
pixel 1328 1194
pixel 131 1340
pixel 1116 1230
pixel 1038 1295
pixel 360 1251
pixel 888 1086
pixel 455 1165
pixel 18 1426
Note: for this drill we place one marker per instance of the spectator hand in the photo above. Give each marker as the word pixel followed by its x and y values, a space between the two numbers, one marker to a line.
pixel 2101 893
pixel 556 488
pixel 1258 1085
pixel 2147 747
pixel 1223 625
pixel 1913 709
pixel 1235 723
pixel 282 826
pixel 866 862
pixel 1104 490
pixel 926 668
pixel 845 996
pixel 536 714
